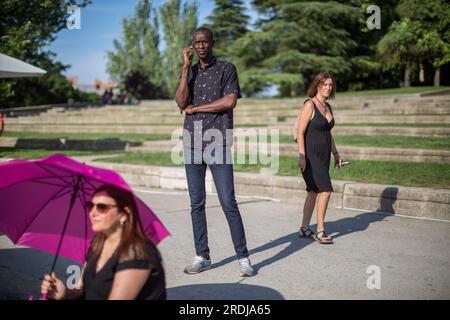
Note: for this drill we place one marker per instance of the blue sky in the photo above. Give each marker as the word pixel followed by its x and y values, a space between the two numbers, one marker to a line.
pixel 101 22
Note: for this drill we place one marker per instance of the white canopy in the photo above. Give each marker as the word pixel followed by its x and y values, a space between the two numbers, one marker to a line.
pixel 14 68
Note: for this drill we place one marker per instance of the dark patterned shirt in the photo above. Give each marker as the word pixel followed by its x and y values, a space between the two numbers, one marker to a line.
pixel 218 79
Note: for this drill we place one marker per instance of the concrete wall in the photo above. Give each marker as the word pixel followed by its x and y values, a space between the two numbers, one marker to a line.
pixel 64 144
pixel 410 201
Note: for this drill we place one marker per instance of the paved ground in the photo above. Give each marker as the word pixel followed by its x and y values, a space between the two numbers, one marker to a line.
pixel 413 255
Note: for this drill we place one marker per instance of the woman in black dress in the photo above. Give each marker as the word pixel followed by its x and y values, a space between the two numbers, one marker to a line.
pixel 122 263
pixel 315 145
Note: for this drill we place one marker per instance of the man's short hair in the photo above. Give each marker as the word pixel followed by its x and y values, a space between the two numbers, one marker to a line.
pixel 204 29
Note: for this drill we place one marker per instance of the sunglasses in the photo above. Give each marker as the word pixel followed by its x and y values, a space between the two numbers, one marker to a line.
pixel 101 207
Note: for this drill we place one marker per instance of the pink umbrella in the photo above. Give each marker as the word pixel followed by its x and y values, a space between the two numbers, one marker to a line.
pixel 43 205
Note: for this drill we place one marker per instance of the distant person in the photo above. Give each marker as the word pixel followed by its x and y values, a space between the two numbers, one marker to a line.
pixel 122 263
pixel 105 97
pixel 315 145
pixel 125 98
pixel 207 93
pixel 116 95
pixel 110 96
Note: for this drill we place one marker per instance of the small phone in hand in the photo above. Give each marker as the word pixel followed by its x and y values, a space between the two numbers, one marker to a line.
pixel 343 164
pixel 191 53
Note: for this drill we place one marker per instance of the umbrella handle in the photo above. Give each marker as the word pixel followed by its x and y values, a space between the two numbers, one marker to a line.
pixel 43 297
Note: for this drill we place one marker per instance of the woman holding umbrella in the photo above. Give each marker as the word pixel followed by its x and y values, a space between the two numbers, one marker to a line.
pixel 121 263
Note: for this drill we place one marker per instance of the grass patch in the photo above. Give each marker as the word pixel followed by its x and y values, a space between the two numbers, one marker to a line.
pixel 383 172
pixel 377 92
pixel 108 124
pixel 147 158
pixel 358 141
pixel 396 173
pixel 372 92
pixel 88 136
pixel 405 125
pixel 180 124
pixel 435 143
pixel 395 142
pixel 391 115
pixel 39 153
pixel 250 125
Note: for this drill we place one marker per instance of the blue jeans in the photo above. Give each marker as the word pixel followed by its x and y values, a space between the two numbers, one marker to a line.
pixel 222 174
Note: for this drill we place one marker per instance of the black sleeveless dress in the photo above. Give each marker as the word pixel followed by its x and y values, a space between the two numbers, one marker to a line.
pixel 98 284
pixel 318 152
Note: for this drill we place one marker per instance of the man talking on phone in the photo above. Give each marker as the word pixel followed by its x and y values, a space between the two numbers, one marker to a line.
pixel 207 94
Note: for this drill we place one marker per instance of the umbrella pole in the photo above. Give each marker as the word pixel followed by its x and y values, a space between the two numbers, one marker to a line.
pixel 72 202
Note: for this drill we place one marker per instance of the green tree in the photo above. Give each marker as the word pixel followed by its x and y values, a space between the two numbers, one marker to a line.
pixel 420 35
pixel 136 61
pixel 26 29
pixel 228 22
pixel 367 70
pixel 179 20
pixel 433 30
pixel 294 41
pixel 399 47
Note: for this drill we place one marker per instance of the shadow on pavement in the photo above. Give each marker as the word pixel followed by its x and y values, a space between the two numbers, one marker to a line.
pixel 21 268
pixel 388 198
pixel 223 291
pixel 336 229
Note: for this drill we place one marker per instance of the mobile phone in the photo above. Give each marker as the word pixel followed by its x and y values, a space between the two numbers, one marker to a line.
pixel 343 164
pixel 191 53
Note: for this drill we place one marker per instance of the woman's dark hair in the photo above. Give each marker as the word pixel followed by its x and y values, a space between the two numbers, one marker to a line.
pixel 319 80
pixel 133 235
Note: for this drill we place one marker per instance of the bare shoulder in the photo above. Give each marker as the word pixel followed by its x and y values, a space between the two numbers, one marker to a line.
pixel 308 106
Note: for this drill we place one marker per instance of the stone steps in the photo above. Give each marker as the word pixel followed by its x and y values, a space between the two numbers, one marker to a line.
pixel 356 118
pixel 377 131
pixel 283 130
pixel 239 110
pixel 85 120
pixel 64 144
pixel 289 149
pixel 361 103
pixel 410 201
pixel 347 152
pixel 240 118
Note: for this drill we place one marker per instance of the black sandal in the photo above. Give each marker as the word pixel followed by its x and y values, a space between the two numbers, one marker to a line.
pixel 324 239
pixel 306 233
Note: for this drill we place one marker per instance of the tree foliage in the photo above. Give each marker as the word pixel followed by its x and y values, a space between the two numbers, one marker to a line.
pixel 179 20
pixel 295 40
pixel 136 62
pixel 25 32
pixel 290 42
pixel 420 35
pixel 229 22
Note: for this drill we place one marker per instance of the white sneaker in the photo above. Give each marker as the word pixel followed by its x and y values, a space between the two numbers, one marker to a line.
pixel 198 265
pixel 245 267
